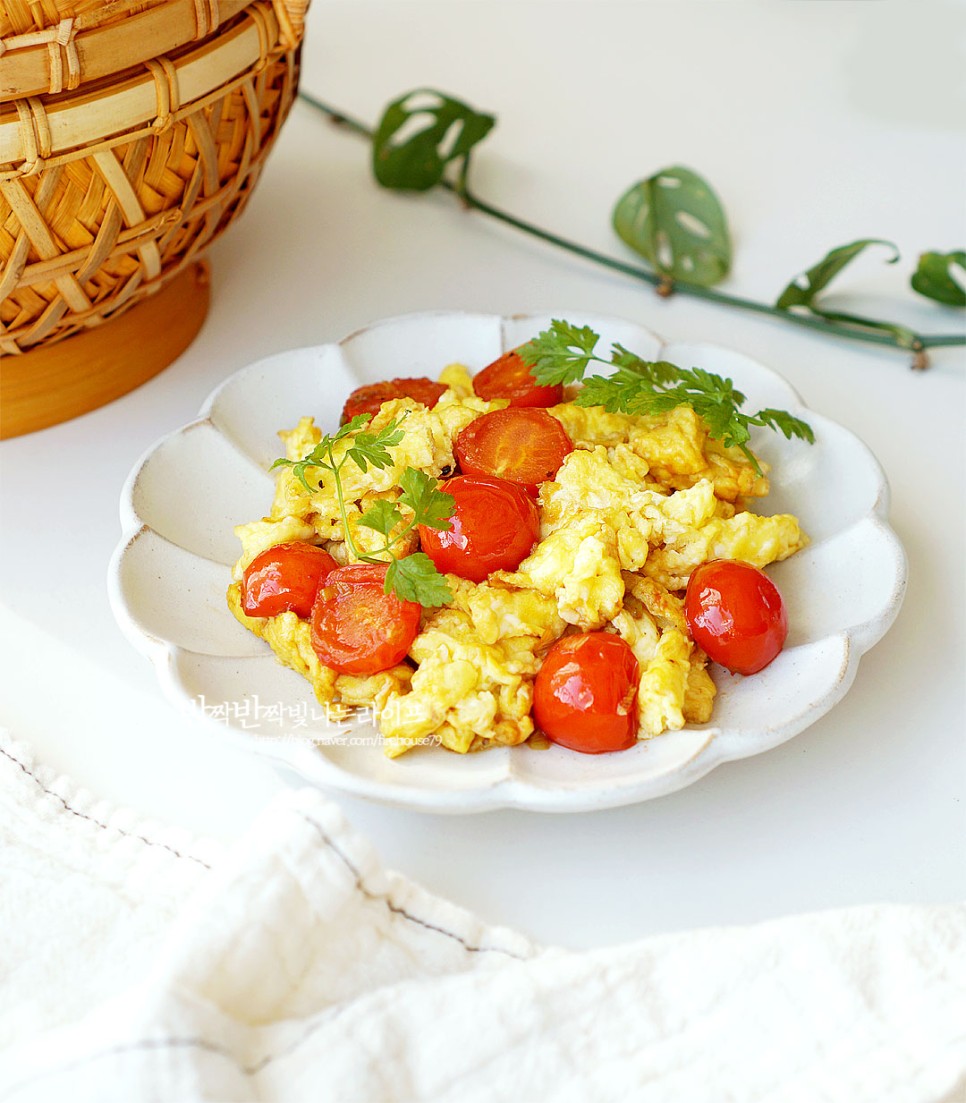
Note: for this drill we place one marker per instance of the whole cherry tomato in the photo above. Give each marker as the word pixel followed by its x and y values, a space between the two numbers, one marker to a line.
pixel 526 446
pixel 736 615
pixel 583 695
pixel 283 577
pixel 357 628
pixel 494 526
pixel 509 377
pixel 368 399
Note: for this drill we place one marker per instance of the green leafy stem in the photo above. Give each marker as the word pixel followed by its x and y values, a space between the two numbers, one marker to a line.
pixel 673 219
pixel 562 354
pixel 411 577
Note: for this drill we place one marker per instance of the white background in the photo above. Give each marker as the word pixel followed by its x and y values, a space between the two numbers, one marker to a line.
pixel 817 124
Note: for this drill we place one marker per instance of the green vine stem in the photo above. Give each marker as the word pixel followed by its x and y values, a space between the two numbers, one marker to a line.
pixel 664 286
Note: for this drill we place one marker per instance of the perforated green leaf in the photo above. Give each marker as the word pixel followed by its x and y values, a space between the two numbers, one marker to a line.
pixel 676 222
pixel 409 156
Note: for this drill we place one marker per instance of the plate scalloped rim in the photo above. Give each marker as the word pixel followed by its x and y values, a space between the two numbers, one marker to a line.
pixel 587 785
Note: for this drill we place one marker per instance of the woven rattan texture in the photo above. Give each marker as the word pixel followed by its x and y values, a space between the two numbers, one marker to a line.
pixel 26 16
pixel 91 231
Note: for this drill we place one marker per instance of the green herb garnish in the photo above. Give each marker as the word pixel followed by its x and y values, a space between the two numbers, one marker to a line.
pixel 562 354
pixel 411 577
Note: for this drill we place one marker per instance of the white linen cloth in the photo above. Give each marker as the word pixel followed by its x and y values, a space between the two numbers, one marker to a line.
pixel 141 964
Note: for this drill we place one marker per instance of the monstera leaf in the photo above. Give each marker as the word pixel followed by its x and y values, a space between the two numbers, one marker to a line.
pixel 676 222
pixel 803 292
pixel 933 278
pixel 420 134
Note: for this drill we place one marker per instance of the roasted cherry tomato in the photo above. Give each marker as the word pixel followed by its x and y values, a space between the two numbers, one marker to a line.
pixel 522 445
pixel 284 577
pixel 357 628
pixel 368 399
pixel 494 526
pixel 509 377
pixel 736 615
pixel 583 695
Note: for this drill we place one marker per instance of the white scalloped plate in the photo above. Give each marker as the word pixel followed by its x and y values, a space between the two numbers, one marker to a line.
pixel 169 574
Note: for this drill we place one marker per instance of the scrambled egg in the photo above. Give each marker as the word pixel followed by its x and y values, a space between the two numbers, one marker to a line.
pixel 638 504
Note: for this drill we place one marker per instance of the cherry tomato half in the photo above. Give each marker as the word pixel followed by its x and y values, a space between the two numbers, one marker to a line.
pixel 283 577
pixel 509 377
pixel 583 695
pixel 494 526
pixel 357 628
pixel 736 615
pixel 522 445
pixel 368 399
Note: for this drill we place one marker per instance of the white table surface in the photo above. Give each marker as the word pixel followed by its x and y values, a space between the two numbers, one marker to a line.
pixel 817 124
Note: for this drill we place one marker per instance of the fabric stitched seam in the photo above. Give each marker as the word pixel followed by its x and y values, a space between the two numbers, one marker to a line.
pixel 128 1047
pixel 97 822
pixel 211 1047
pixel 182 1043
pixel 396 909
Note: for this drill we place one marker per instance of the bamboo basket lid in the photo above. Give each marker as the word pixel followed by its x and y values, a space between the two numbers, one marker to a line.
pixel 23 16
pixel 90 40
pixel 153 96
pixel 132 133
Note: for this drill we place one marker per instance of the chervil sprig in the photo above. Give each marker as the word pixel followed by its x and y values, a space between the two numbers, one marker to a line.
pixel 366 449
pixel 412 577
pixel 562 354
pixel 415 578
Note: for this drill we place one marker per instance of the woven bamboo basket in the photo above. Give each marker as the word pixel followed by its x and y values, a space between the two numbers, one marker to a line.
pixel 131 135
